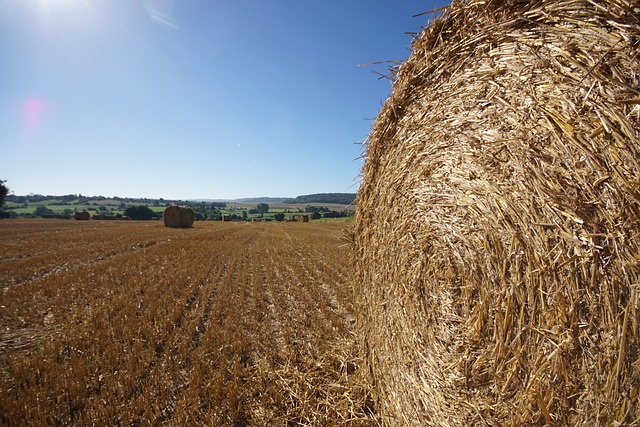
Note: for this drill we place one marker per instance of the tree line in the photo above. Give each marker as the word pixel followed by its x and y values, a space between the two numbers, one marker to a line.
pixel 203 210
pixel 338 198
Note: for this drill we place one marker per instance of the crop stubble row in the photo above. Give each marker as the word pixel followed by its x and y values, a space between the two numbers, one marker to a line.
pixel 134 323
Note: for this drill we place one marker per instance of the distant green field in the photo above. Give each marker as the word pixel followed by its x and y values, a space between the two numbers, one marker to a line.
pixel 57 206
pixel 114 207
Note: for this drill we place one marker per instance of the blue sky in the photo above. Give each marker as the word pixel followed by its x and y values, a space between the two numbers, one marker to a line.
pixel 193 98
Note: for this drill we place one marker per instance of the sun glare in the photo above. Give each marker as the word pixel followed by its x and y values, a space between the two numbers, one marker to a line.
pixel 58 2
pixel 63 5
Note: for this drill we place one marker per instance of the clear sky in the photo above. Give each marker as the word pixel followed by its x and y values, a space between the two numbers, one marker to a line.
pixel 186 99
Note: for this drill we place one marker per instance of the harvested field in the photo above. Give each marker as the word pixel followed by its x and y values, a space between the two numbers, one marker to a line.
pixel 131 323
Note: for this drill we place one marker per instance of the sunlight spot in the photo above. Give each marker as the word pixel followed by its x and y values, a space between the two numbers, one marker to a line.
pixel 63 3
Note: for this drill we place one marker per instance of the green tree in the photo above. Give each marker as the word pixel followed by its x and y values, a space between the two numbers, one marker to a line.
pixel 316 215
pixel 41 210
pixel 279 216
pixel 262 208
pixel 3 192
pixel 139 212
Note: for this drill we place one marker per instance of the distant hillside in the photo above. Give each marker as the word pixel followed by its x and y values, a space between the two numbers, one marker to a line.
pixel 80 199
pixel 340 198
pixel 337 198
pixel 261 200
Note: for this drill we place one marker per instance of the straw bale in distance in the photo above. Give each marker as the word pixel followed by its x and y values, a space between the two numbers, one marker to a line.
pixel 178 216
pixel 82 215
pixel 498 222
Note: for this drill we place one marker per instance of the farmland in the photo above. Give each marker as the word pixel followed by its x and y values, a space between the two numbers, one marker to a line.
pixel 241 209
pixel 132 323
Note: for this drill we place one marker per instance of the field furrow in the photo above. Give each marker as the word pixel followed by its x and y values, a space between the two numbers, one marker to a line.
pixel 221 324
pixel 278 349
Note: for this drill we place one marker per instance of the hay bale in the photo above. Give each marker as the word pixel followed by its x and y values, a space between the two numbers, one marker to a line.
pixel 82 216
pixel 178 216
pixel 498 221
pixel 303 218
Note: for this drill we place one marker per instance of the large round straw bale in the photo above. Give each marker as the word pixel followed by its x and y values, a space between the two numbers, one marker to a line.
pixel 178 216
pixel 498 222
pixel 82 216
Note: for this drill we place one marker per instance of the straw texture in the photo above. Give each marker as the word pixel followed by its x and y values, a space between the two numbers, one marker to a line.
pixel 497 226
pixel 178 216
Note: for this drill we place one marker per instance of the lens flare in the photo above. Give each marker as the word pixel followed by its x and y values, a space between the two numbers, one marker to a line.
pixel 32 111
pixel 161 11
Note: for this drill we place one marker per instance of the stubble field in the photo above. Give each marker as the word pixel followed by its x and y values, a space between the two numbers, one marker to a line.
pixel 132 323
